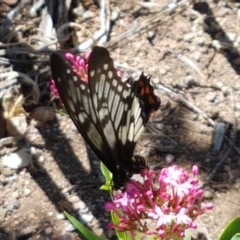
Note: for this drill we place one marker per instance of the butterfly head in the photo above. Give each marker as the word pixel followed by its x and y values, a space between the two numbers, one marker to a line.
pixel 136 165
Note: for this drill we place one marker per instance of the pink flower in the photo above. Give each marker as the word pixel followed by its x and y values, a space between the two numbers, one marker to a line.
pixel 53 88
pixel 171 200
pixel 80 66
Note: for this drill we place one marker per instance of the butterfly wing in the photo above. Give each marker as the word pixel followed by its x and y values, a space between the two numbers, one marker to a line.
pixel 109 113
pixel 75 95
pixel 122 109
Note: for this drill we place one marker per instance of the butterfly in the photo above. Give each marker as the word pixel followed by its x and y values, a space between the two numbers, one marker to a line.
pixel 109 113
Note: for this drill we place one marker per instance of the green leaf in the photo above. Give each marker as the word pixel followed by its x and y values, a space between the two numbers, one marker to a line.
pixel 231 229
pixel 120 235
pixel 236 237
pixel 187 235
pixel 106 187
pixel 108 178
pixel 106 173
pixel 63 112
pixel 82 229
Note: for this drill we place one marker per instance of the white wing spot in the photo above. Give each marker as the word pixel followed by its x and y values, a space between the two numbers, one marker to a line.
pixel 59 79
pixel 103 113
pixel 115 106
pixel 138 125
pixel 71 106
pixel 83 87
pixel 101 86
pixel 119 88
pixel 94 135
pixel 131 132
pixel 114 82
pixel 106 90
pixel 105 66
pixel 75 79
pixel 119 113
pixel 82 117
pixel 68 71
pixel 92 73
pixel 110 74
pixel 136 137
pixel 110 98
pixel 109 132
pixel 95 100
pixel 124 135
pixel 125 93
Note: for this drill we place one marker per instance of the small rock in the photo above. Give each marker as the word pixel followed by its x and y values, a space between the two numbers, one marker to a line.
pixel 162 71
pixel 3 213
pixel 226 117
pixel 230 36
pixel 192 48
pixel 60 216
pixel 27 230
pixel 203 50
pixel 65 191
pixel 17 125
pixel 217 45
pixel 188 37
pixel 235 45
pixel 26 182
pixel 13 203
pixel 43 114
pixel 200 32
pixel 211 96
pixel 200 41
pixel 73 199
pixel 15 194
pixel 207 39
pixel 190 81
pixel 50 214
pixel 27 192
pixel 197 56
pixel 237 106
pixel 84 210
pixel 218 85
pixel 169 158
pixel 79 11
pixel 86 217
pixel 82 205
pixel 225 90
pixel 114 15
pixel 41 159
pixel 88 14
pixel 208 194
pixel 48 231
pixel 68 227
pixel 151 34
pixel 33 150
pixel 19 159
pixel 222 12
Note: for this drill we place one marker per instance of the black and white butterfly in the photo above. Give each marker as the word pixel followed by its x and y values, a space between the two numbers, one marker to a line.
pixel 110 114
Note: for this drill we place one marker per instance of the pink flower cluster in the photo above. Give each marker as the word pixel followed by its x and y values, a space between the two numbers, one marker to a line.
pixel 172 201
pixel 79 65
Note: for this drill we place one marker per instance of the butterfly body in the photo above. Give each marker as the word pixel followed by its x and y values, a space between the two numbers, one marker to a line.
pixel 110 114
